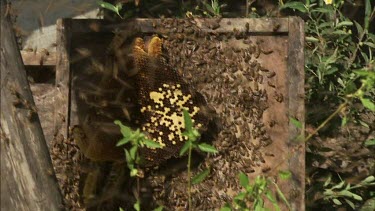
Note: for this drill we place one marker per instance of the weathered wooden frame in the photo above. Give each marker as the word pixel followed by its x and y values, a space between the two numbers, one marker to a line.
pixel 293 27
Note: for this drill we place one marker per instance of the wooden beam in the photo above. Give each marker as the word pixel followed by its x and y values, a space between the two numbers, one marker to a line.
pixel 28 181
pixel 42 58
pixel 296 109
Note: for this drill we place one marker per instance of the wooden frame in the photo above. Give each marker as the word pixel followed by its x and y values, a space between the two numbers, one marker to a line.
pixel 291 27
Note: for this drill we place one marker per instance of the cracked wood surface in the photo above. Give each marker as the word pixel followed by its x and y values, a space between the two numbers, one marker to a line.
pixel 28 181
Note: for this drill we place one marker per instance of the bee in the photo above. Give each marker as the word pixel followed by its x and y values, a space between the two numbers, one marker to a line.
pixel 266 169
pixel 266 52
pixel 247 27
pixel 257 51
pixel 44 53
pixel 276 27
pixel 279 97
pixel 271 84
pixel 271 74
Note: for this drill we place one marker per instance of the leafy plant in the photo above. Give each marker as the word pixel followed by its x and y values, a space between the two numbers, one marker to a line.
pixel 211 10
pixel 114 8
pixel 136 139
pixel 368 82
pixel 344 191
pixel 256 193
pixel 334 48
pixel 339 66
pixel 192 143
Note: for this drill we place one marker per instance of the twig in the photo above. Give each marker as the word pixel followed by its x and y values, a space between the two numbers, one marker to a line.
pixel 342 106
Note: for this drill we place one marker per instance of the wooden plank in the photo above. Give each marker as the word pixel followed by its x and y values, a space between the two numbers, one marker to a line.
pixel 62 103
pixel 296 109
pixel 42 58
pixel 28 181
pixel 257 25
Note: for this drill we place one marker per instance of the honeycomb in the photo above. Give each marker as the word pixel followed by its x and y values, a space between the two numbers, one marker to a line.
pixel 163 96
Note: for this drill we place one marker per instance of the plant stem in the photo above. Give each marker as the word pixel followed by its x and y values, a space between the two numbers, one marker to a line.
pixel 138 184
pixel 138 188
pixel 189 179
pixel 342 106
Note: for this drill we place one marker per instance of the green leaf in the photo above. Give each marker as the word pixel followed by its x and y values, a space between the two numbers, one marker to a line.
pixel 137 206
pixel 295 122
pixel 108 6
pixel 351 204
pixel 339 186
pixel 123 141
pixel 364 124
pixel 368 104
pixel 362 73
pixel 270 197
pixel 200 177
pixel 331 70
pixel 344 23
pixel 128 157
pixel 207 148
pixel 244 180
pixel 125 131
pixel 332 58
pixel 325 24
pixel 359 27
pixel 369 205
pixel 185 147
pixel 369 179
pixel 119 6
pixel 370 44
pixel 340 32
pixel 160 208
pixel 344 121
pixel 336 201
pixel 133 152
pixel 351 195
pixel 285 175
pixel 120 209
pixel 311 39
pixel 357 197
pixel 295 6
pixel 241 196
pixel 133 172
pixel 346 193
pixel 322 10
pixel 111 7
pixel 367 14
pixel 151 143
pixel 195 133
pixel 188 122
pixel 208 7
